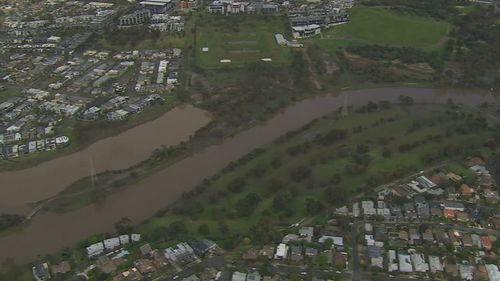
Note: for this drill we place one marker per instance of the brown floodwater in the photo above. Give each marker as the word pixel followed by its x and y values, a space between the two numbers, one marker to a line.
pixel 50 232
pixel 18 188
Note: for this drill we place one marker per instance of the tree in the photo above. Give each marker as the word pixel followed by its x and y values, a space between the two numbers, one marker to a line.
pixel 335 195
pixel 177 230
pixel 300 173
pixel 313 206
pixel 246 206
pixel 124 226
pixel 236 185
pixel 281 201
pixel 406 100
pixel 335 178
pixel 204 229
pixel 275 185
pixel 386 152
pixel 9 220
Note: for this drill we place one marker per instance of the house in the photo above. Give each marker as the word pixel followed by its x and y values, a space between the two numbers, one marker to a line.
pixel 111 243
pixel 124 239
pixel 159 260
pixel 250 254
pixel 486 242
pixel 135 237
pixel 339 260
pixel 203 246
pixel 493 272
pixel 281 251
pixel 454 177
pixel 181 253
pixel 462 216
pixel 95 249
pixel 419 262
pixel 448 213
pixel 467 240
pixel 374 251
pixel 441 236
pixel 311 252
pixel 146 250
pixel 414 236
pixel 392 264
pixel 453 205
pixel 476 240
pixel 428 236
pixel 267 251
pixel 423 210
pixel 466 271
pixel 41 271
pixel 296 254
pixel 191 277
pixel 239 276
pixel 368 208
pixel 466 191
pixel 307 232
pixel 377 262
pixel 144 266
pixel 405 263
pixel 290 237
pixel 253 276
pixel 454 237
pixel 63 267
pixel 451 269
pixel 435 264
pixel 336 240
pixel 425 182
pixel 435 209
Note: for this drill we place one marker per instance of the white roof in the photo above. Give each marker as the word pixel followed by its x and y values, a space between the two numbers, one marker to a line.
pixel 306 27
pixel 435 264
pixel 111 243
pixel 281 251
pixel 338 241
pixel 392 263
pixel 238 276
pixel 135 237
pixel 124 239
pixel 405 263
pixel 95 249
pixel 493 273
pixel 419 263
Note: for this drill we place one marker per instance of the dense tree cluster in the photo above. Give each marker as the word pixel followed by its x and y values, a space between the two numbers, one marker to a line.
pixel 246 206
pixel 9 220
pixel 440 9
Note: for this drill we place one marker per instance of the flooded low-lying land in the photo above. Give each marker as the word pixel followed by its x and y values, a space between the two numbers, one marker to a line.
pixel 18 188
pixel 50 232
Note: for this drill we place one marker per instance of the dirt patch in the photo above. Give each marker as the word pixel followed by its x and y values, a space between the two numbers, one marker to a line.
pixel 331 67
pixel 422 67
pixel 357 61
pixel 244 51
pixel 241 42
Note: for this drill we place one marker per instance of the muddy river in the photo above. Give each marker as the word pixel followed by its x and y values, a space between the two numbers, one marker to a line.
pixel 20 187
pixel 49 232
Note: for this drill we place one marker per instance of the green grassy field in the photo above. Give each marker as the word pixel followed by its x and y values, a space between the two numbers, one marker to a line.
pixel 343 166
pixel 380 26
pixel 241 39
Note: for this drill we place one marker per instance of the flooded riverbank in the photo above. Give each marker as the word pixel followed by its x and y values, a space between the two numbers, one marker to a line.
pixel 51 232
pixel 18 188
